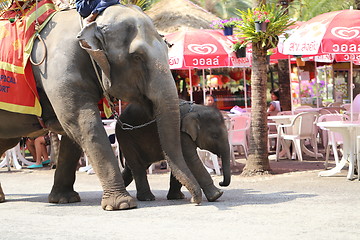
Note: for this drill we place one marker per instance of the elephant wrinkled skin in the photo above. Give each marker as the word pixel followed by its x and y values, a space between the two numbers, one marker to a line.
pixel 134 67
pixel 201 126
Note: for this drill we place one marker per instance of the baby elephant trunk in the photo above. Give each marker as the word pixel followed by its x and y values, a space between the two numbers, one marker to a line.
pixel 225 159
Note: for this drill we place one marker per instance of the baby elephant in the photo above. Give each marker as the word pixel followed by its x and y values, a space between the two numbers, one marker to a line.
pixel 201 126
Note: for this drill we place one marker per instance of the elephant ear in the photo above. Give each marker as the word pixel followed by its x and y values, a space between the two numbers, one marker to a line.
pixel 92 40
pixel 190 125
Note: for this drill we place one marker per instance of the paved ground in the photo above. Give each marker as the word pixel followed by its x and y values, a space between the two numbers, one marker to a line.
pixel 296 204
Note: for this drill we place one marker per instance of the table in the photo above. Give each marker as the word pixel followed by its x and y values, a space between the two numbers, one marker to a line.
pixel 349 130
pixel 286 119
pixel 281 119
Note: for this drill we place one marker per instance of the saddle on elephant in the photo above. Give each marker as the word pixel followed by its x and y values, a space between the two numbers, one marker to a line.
pixel 20 23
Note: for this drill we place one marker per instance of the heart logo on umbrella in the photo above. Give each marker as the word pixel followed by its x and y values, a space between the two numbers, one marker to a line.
pixel 346 33
pixel 202 48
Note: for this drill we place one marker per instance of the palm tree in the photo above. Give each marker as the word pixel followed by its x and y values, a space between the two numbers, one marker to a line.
pixel 258 162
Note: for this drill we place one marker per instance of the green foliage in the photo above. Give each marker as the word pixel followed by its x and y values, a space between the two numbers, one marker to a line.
pixel 239 44
pixel 236 46
pixel 303 10
pixel 223 8
pixel 143 4
pixel 277 22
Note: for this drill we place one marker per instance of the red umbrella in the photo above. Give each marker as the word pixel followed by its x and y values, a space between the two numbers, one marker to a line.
pixel 334 32
pixel 200 48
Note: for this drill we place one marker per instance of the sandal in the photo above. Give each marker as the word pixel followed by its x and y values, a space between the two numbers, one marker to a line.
pixel 35 166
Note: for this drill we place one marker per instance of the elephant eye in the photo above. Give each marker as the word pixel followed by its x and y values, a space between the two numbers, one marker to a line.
pixel 136 57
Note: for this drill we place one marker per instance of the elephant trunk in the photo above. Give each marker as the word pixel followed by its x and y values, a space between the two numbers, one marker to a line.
pixel 166 109
pixel 225 159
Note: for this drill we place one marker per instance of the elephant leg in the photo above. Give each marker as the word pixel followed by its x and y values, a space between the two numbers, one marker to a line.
pixel 142 185
pixel 6 144
pixel 175 189
pixel 85 127
pixel 63 188
pixel 198 170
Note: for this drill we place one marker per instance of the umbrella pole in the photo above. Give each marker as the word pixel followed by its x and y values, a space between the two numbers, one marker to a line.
pixel 210 85
pixel 204 90
pixel 191 88
pixel 316 85
pixel 351 91
pixel 245 90
pixel 291 95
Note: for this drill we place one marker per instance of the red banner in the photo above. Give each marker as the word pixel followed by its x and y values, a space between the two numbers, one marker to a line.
pixel 17 84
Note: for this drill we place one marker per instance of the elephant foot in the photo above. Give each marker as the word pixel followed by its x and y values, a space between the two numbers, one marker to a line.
pixel 175 195
pixel 2 195
pixel 197 197
pixel 118 202
pixel 148 196
pixel 63 197
pixel 213 193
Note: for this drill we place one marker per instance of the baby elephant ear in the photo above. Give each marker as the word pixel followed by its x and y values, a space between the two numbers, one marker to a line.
pixel 91 39
pixel 190 125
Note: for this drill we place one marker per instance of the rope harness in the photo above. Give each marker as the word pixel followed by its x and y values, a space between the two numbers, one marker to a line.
pixel 37 34
pixel 190 103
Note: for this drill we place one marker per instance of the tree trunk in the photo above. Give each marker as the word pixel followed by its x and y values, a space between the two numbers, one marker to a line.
pixel 284 75
pixel 284 84
pixel 357 4
pixel 258 162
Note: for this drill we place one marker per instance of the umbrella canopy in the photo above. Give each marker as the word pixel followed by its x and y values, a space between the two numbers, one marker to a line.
pixel 333 32
pixel 200 48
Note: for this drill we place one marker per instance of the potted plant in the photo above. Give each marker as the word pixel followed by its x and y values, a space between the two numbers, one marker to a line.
pixel 227 25
pixel 275 19
pixel 262 18
pixel 239 48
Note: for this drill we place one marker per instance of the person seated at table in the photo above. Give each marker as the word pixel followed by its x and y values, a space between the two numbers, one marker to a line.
pixel 274 106
pixel 210 101
pixel 90 9
pixel 38 149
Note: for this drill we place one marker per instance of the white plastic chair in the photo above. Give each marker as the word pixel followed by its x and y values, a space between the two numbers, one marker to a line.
pixel 331 139
pixel 272 128
pixel 302 127
pixel 208 157
pixel 239 127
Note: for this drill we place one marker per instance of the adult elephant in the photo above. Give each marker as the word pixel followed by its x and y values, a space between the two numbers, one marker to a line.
pixel 201 126
pixel 134 66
